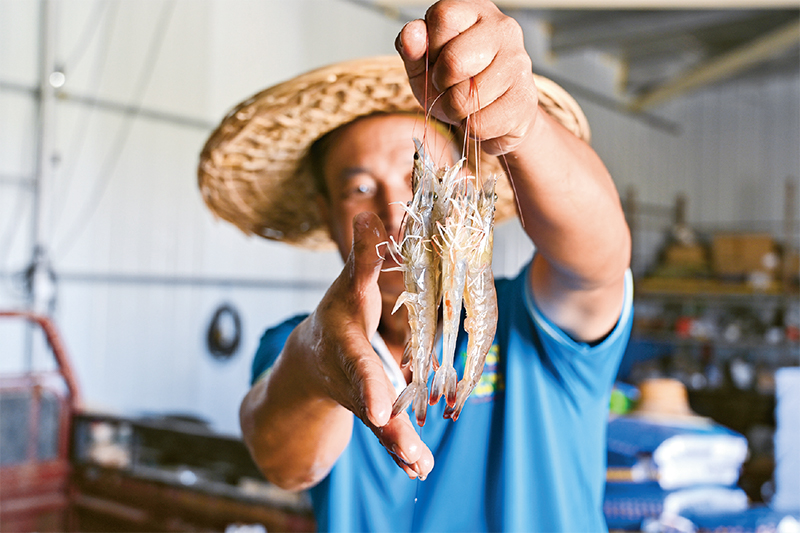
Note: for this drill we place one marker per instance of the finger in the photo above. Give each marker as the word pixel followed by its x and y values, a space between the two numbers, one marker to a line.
pixel 476 48
pixel 503 101
pixel 412 45
pixel 401 439
pixel 410 472
pixel 364 260
pixel 445 21
pixel 471 95
pixel 498 125
pixel 375 392
pixel 461 60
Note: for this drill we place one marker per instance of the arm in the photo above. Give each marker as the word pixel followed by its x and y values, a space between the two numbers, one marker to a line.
pixel 297 421
pixel 568 202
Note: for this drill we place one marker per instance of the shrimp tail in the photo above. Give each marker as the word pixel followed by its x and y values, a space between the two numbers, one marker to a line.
pixel 421 404
pixel 465 388
pixel 404 400
pixel 445 381
pixel 415 395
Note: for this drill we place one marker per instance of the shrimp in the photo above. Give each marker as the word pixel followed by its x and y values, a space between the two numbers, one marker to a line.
pixel 480 297
pixel 445 255
pixel 453 241
pixel 421 269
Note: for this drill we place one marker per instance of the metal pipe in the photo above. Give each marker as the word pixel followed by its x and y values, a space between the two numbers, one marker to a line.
pixel 42 182
pixel 191 281
pixel 117 107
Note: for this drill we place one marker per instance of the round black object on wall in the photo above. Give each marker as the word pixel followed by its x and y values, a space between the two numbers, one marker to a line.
pixel 224 332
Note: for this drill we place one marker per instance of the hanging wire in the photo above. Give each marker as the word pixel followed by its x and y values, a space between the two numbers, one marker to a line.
pixel 79 135
pixel 112 158
pixel 13 228
pixel 90 29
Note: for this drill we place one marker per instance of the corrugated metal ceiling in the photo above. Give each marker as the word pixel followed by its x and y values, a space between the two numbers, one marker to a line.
pixel 666 51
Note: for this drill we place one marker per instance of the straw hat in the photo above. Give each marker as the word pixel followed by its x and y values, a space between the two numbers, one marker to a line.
pixel 252 170
pixel 664 398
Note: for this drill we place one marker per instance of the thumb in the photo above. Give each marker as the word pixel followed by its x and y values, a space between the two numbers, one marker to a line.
pixel 412 44
pixel 376 393
pixel 365 262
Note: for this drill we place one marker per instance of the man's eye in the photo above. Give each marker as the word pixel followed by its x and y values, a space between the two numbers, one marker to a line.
pixel 361 189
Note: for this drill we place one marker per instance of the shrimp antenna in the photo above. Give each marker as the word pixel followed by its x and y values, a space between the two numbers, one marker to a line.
pixel 425 91
pixel 514 189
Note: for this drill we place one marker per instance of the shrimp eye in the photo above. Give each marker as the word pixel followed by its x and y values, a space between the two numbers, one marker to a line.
pixel 416 156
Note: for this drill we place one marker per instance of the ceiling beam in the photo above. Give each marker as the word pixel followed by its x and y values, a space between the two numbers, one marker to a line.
pixel 724 66
pixel 612 4
pixel 622 28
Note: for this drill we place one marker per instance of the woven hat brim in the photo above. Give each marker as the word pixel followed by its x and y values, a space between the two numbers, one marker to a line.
pixel 251 170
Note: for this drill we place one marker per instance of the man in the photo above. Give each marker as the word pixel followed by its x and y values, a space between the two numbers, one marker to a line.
pixel 333 149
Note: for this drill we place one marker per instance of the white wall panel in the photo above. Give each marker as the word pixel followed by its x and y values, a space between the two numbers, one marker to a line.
pixel 19 31
pixel 140 348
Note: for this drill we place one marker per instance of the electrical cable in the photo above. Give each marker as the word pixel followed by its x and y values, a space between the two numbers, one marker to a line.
pixel 7 242
pixel 112 158
pixel 87 34
pixel 80 133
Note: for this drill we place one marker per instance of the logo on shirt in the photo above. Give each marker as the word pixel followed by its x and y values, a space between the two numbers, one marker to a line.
pixel 491 380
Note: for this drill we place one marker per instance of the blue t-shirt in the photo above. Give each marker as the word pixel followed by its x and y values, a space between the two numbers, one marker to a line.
pixel 526 454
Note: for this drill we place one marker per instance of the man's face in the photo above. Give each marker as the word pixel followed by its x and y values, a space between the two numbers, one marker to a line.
pixel 368 168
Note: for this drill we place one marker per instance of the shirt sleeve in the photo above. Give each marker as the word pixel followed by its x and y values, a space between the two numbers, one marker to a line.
pixel 585 370
pixel 558 334
pixel 270 347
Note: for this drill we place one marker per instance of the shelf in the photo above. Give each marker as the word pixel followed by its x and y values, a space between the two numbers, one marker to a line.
pixel 751 344
pixel 707 288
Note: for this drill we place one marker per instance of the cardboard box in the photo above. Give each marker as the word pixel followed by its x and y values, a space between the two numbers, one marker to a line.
pixel 678 254
pixel 739 254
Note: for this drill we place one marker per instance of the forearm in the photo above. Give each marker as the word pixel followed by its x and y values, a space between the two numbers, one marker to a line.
pixel 569 205
pixel 294 431
pixel 571 211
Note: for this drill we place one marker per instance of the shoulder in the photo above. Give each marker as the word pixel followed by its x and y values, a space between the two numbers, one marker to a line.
pixel 523 330
pixel 271 344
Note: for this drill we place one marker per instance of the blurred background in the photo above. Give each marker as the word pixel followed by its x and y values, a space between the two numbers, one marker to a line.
pixel 157 307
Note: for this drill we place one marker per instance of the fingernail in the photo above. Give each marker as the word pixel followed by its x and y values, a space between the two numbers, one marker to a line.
pixel 399 453
pixel 425 467
pixel 380 417
pixel 435 83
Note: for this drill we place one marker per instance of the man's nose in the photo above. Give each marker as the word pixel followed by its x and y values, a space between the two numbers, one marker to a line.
pixel 393 210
